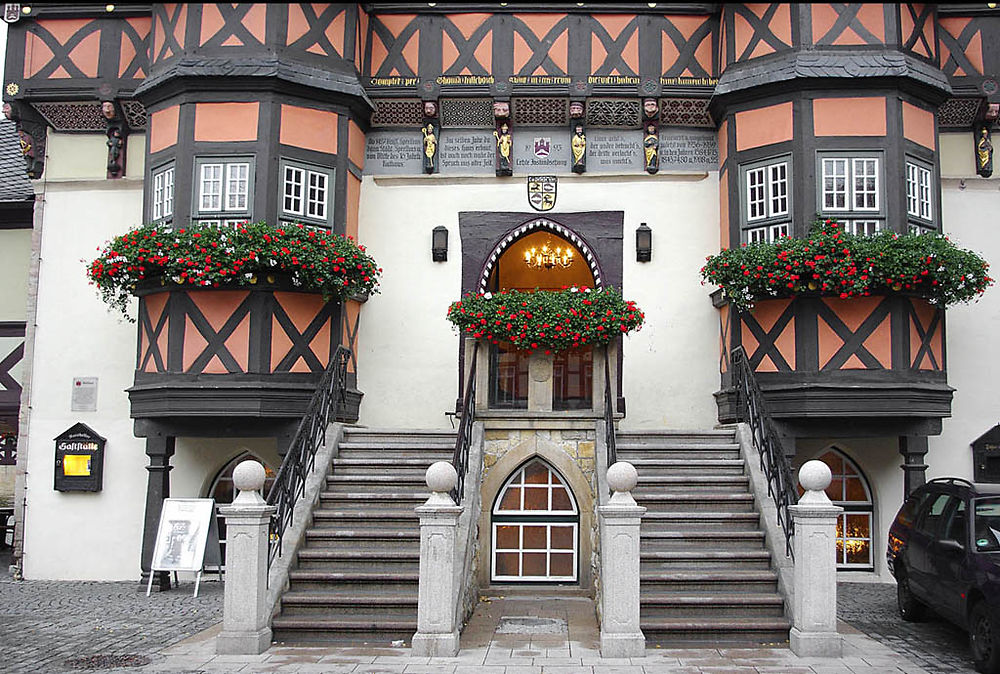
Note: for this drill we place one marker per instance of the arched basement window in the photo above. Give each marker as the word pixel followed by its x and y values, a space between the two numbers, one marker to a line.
pixel 849 490
pixel 535 527
pixel 223 491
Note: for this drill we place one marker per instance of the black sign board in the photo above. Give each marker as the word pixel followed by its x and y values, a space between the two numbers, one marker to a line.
pixel 986 456
pixel 79 460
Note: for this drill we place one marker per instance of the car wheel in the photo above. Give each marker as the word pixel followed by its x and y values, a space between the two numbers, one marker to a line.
pixel 910 608
pixel 984 640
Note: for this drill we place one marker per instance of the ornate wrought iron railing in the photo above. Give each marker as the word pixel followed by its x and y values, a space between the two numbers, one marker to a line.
pixel 464 439
pixel 609 411
pixel 752 410
pixel 289 483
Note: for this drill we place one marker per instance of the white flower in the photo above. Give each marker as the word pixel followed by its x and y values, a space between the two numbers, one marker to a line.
pixel 574 289
pixel 488 296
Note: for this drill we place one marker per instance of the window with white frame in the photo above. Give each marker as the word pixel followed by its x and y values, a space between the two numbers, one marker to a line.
pixel 305 192
pixel 850 190
pixel 163 194
pixel 919 207
pixel 223 189
pixel 766 209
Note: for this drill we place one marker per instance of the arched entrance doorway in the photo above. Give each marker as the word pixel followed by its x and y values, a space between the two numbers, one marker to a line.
pixel 223 491
pixel 849 489
pixel 540 255
pixel 535 527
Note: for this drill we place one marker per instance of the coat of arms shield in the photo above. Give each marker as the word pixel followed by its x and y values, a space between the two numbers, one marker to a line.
pixel 542 192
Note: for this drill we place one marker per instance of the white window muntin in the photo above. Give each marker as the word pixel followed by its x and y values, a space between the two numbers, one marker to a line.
pixel 518 481
pixel 768 233
pixel 305 192
pixel 168 192
pixel 548 551
pixel 834 184
pixel 918 191
pixel 210 188
pixel 863 227
pixel 767 191
pixel 316 195
pixel 294 181
pixel 865 192
pixel 237 186
pixel 850 184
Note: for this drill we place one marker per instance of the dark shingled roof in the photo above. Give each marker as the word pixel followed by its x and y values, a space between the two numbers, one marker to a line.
pixel 14 182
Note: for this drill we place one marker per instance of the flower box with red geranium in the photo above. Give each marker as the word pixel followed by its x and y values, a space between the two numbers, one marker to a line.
pixel 552 320
pixel 216 256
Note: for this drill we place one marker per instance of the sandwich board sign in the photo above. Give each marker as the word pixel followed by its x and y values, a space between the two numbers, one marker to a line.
pixel 187 538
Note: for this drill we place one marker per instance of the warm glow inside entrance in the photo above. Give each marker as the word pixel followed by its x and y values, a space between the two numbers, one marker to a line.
pixel 511 272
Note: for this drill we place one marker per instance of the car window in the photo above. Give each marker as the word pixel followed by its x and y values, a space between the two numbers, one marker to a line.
pixel 929 521
pixel 987 524
pixel 958 525
pixel 908 513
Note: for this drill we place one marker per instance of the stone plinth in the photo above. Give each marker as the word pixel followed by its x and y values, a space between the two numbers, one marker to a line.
pixel 621 636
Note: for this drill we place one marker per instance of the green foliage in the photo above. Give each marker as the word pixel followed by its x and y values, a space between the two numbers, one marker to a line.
pixel 222 255
pixel 833 262
pixel 547 319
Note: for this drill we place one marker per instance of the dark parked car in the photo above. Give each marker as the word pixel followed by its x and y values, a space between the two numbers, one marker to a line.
pixel 944 550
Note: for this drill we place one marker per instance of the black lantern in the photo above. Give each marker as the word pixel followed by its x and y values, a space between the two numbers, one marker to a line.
pixel 643 243
pixel 439 244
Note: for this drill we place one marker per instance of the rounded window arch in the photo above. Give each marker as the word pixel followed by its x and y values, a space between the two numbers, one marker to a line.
pixel 535 522
pixel 223 491
pixel 850 490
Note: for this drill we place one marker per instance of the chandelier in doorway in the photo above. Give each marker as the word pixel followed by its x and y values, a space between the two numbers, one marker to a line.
pixel 548 257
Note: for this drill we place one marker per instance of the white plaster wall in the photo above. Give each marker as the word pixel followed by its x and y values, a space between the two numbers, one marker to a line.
pixel 15 254
pixel 408 353
pixel 879 461
pixel 969 205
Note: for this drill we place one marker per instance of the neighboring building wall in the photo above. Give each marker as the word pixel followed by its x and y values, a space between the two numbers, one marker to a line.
pixel 15 254
pixel 410 353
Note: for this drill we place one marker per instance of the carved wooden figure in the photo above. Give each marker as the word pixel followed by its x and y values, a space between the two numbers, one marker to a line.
pixel 504 141
pixel 117 135
pixel 651 134
pixel 578 137
pixel 984 152
pixel 431 137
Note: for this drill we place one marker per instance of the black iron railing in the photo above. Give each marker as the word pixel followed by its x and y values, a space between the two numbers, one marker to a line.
pixel 464 439
pixel 609 411
pixel 289 483
pixel 752 410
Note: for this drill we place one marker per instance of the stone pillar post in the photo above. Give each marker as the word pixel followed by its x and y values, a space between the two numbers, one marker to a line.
pixel 914 449
pixel 437 617
pixel 159 451
pixel 815 597
pixel 246 616
pixel 620 519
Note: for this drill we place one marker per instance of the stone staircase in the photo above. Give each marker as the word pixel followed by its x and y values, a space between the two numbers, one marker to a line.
pixel 705 573
pixel 355 576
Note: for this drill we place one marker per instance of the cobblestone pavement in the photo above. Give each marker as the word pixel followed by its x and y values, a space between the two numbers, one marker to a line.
pixel 44 624
pixel 934 644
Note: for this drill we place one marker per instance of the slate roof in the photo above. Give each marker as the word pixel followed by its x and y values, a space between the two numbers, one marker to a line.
pixel 14 183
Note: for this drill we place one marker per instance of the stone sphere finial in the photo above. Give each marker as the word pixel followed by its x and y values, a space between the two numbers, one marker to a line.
pixel 249 476
pixel 441 477
pixel 815 476
pixel 622 476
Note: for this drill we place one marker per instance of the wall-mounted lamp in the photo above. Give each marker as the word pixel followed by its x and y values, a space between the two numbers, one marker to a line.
pixel 643 243
pixel 439 244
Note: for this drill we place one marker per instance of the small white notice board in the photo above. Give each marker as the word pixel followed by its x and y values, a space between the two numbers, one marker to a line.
pixel 188 532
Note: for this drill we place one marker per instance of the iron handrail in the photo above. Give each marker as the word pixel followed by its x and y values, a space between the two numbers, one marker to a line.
pixel 289 483
pixel 609 415
pixel 463 441
pixel 752 409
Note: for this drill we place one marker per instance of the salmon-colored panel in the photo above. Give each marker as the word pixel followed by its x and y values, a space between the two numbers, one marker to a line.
pixel 853 363
pixel 300 307
pixel 335 33
pixel 849 116
pixel 762 49
pixel 598 53
pixel 724 210
pixel 238 343
pixel 449 52
pixel 918 125
pixel 395 23
pixel 781 22
pixel 297 23
pixel 630 54
pixel 359 49
pixel 36 55
pixel 905 23
pixel 724 338
pixel 218 305
pixel 86 54
pixel 744 33
pixel 668 53
pixel 854 311
pixel 614 23
pixel 468 23
pixel 161 344
pixel 320 345
pixel 233 41
pixel 540 24
pixel 225 122
pixel 786 344
pixel 944 53
pixel 484 52
pixel 937 346
pixel 63 29
pixel 141 352
pixel 766 365
pixel 925 315
pixel 127 51
pixel 255 21
pixel 823 18
pixel 768 312
pixel 59 74
pixel 163 128
pixel 280 343
pixel 353 203
pixel 194 344
pixel 879 343
pixel 723 142
pixel 352 310
pixel 849 37
pixel 356 144
pixel 299 365
pixel 974 52
pixel 308 128
pixel 750 343
pixel 829 342
pixel 178 29
pixel 316 49
pixel 703 54
pixel 686 25
pixel 211 22
pixel 154 306
pixel 379 53
pixel 872 18
pixel 764 126
pixel 522 53
pixel 410 54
